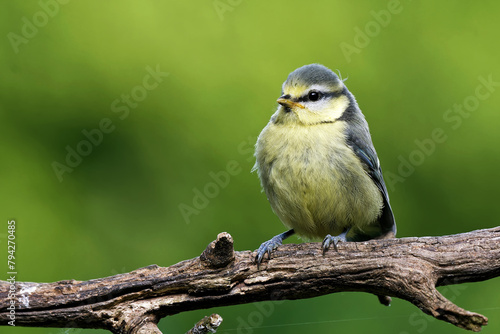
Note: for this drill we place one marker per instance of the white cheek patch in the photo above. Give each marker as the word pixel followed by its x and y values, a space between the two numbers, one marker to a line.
pixel 317 106
pixel 330 108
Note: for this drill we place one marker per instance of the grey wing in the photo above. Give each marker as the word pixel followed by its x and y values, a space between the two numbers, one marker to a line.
pixel 386 224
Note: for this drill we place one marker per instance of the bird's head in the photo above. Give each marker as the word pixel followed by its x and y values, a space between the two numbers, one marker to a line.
pixel 312 94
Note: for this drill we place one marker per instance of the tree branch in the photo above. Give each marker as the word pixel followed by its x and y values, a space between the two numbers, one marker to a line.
pixel 407 268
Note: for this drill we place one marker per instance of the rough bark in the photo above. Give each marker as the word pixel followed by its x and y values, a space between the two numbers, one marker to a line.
pixel 407 268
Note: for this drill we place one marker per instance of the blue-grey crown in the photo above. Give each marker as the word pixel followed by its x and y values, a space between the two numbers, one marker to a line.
pixel 313 74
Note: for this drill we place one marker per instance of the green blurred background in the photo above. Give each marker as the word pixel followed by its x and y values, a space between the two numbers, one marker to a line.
pixel 66 66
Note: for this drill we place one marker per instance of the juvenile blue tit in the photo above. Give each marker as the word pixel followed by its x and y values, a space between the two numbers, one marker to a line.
pixel 318 167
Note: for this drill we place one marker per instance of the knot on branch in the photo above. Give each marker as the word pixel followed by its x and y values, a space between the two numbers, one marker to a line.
pixel 220 252
pixel 207 324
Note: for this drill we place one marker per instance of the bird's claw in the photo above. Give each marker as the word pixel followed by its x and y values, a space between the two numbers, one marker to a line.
pixel 267 247
pixel 329 240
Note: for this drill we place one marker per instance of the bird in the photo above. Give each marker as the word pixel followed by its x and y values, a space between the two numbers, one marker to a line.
pixel 318 167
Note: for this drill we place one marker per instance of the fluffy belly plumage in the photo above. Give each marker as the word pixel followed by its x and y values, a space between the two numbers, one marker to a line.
pixel 316 185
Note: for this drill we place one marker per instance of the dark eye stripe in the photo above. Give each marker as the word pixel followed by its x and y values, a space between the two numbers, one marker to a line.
pixel 305 98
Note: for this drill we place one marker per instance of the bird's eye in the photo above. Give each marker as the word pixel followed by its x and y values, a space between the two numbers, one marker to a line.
pixel 314 96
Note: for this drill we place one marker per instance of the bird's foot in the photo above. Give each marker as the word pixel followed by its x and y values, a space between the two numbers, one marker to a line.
pixel 268 247
pixel 329 240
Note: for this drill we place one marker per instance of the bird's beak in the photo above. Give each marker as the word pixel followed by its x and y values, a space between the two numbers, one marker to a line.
pixel 289 103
